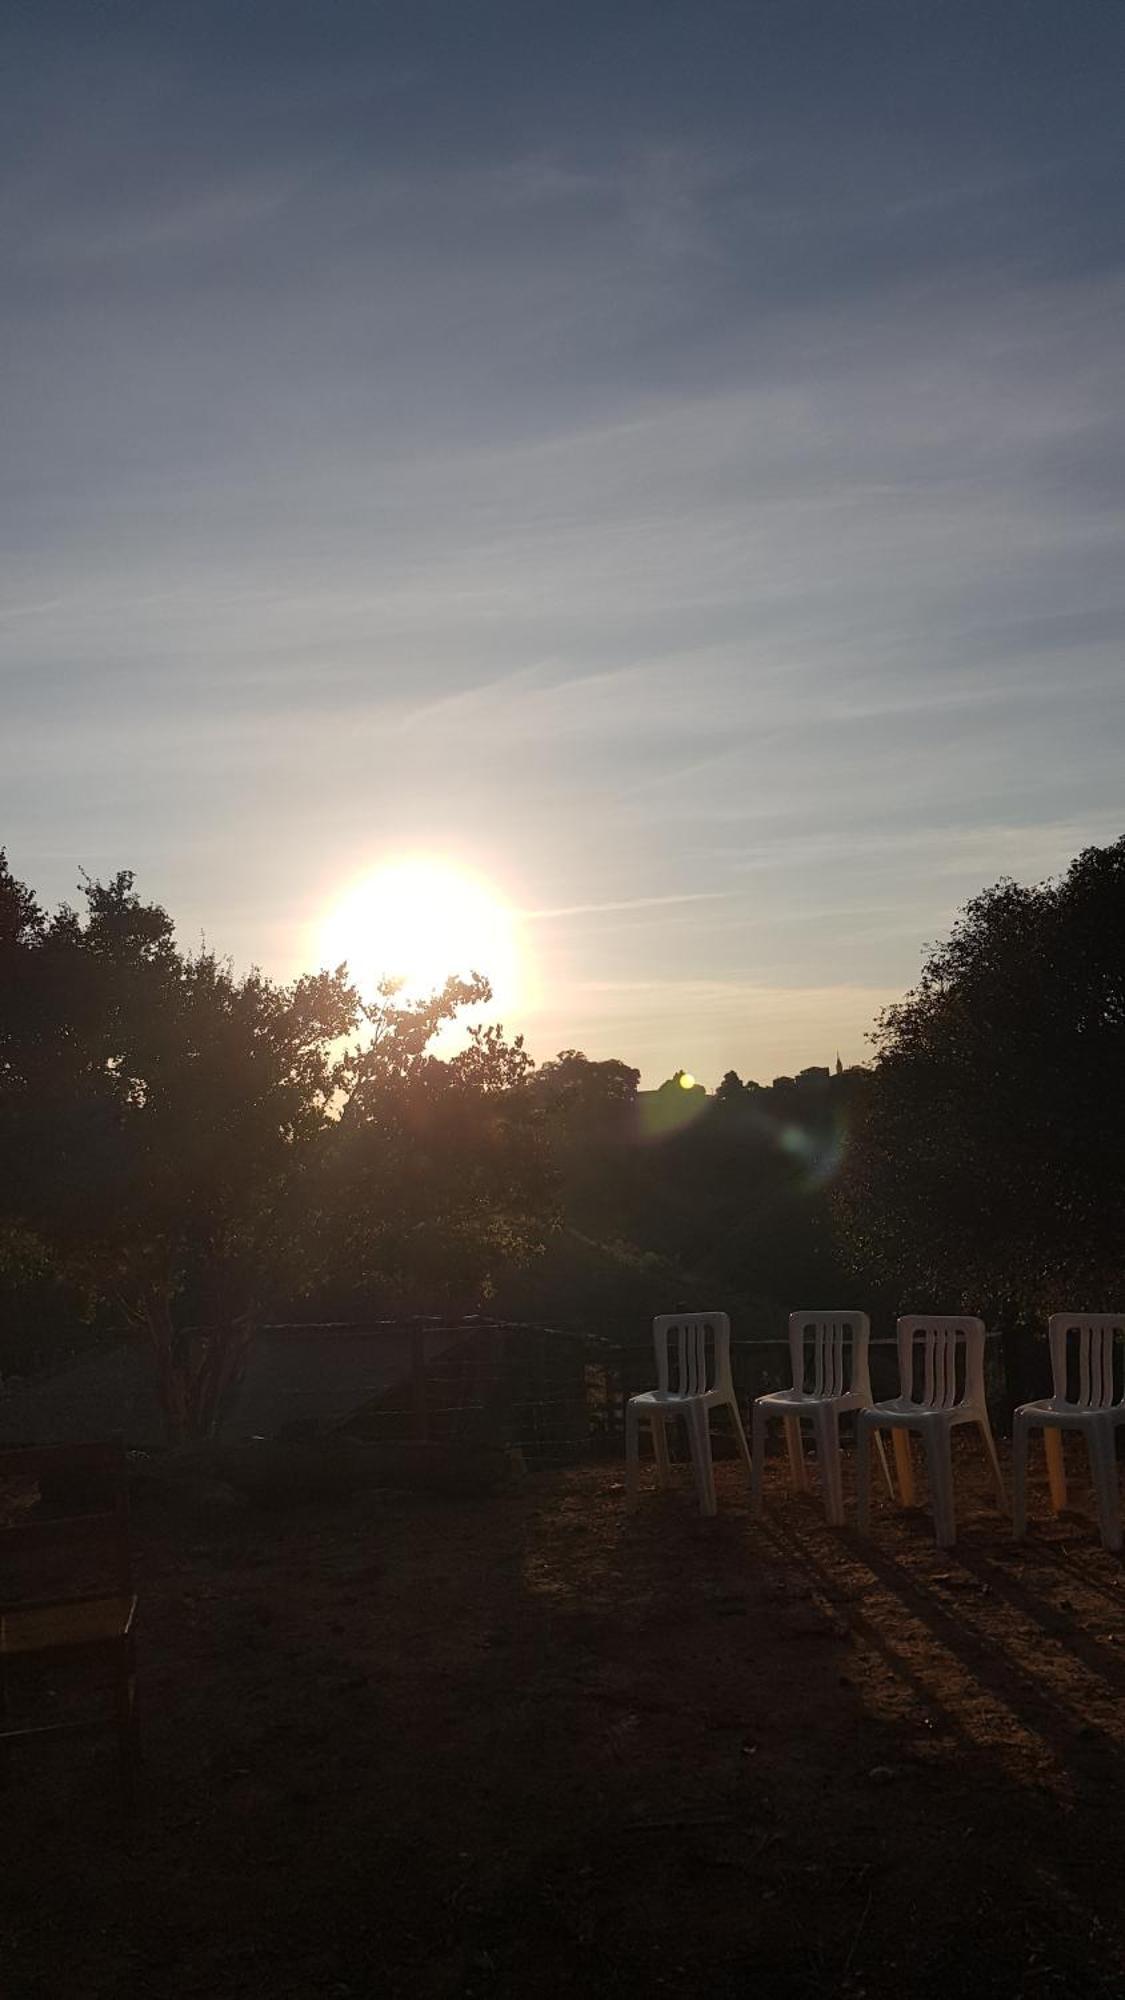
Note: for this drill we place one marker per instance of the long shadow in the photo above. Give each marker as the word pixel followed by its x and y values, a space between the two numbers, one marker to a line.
pixel 1091 1755
pixel 1055 1555
pixel 979 1653
pixel 1105 1664
pixel 1022 1856
pixel 984 1659
pixel 791 1545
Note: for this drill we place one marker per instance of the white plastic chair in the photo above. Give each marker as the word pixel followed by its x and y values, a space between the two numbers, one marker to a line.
pixel 828 1351
pixel 952 1392
pixel 693 1378
pixel 1092 1342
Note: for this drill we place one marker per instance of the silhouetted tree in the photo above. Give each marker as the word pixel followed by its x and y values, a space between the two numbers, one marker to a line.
pixel 679 1081
pixel 439 1172
pixel 731 1089
pixel 572 1087
pixel 197 1146
pixel 158 1122
pixel 986 1165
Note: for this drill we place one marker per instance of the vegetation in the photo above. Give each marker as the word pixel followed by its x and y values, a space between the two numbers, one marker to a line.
pixel 194 1148
pixel 437 1176
pixel 985 1166
pixel 186 1150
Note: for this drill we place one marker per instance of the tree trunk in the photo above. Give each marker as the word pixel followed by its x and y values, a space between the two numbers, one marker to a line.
pixel 197 1369
pixel 221 1361
pixel 156 1316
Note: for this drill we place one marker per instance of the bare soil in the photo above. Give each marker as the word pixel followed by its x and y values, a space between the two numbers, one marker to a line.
pixel 540 1745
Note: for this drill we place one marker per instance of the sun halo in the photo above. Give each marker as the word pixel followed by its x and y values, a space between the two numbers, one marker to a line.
pixel 418 921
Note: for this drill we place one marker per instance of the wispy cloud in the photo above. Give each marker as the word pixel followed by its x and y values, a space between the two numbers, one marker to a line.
pixel 627 903
pixel 698 505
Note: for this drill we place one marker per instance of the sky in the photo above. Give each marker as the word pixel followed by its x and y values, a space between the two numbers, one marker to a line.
pixel 664 459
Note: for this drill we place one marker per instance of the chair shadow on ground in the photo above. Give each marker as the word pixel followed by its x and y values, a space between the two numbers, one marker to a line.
pixel 1034 1697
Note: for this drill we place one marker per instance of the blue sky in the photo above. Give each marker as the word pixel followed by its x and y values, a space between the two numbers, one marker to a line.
pixel 666 459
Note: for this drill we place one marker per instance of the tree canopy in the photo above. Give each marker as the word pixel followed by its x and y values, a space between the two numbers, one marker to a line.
pixel 986 1164
pixel 158 1118
pixel 195 1145
pixel 194 1149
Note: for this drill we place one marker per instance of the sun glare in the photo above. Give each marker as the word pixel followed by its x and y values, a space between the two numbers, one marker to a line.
pixel 418 921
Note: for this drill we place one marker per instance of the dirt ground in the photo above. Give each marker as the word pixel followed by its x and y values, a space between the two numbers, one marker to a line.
pixel 540 1745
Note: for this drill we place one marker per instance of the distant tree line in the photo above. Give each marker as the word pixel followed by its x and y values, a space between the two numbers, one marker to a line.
pixel 184 1151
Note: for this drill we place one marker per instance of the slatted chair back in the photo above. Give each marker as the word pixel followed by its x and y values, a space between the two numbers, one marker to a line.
pixel 941 1360
pixel 692 1354
pixel 81 1517
pixel 829 1353
pixel 1088 1359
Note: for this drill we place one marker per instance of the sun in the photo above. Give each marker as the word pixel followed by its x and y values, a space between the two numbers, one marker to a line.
pixel 418 921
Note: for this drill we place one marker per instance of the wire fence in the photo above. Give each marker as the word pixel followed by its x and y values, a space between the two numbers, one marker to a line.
pixel 549 1392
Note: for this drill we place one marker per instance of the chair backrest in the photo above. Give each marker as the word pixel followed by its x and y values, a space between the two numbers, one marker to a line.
pixel 829 1353
pixel 62 1505
pixel 950 1351
pixel 1088 1359
pixel 692 1352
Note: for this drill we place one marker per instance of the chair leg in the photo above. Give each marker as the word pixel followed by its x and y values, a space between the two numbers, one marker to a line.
pixel 1020 1432
pixel 632 1452
pixel 826 1429
pixel 1056 1466
pixel 798 1471
pixel 660 1451
pixel 699 1434
pixel 985 1429
pixel 1103 1464
pixel 882 1451
pixel 939 1465
pixel 757 1455
pixel 863 1430
pixel 904 1467
pixel 740 1436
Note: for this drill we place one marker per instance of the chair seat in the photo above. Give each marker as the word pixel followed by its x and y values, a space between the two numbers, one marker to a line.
pixel 670 1399
pixel 1048 1411
pixel 795 1401
pixel 902 1414
pixel 49 1628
